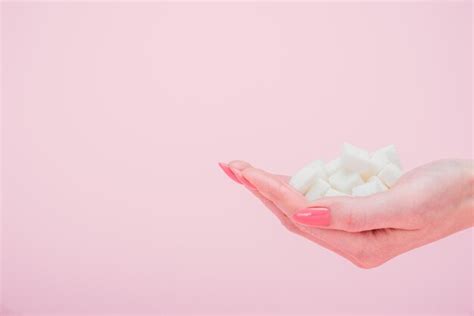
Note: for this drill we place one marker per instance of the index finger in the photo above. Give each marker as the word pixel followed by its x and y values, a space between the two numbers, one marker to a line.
pixel 276 189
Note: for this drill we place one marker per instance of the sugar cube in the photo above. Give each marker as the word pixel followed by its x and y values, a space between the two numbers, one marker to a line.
pixel 355 172
pixel 390 174
pixel 376 163
pixel 333 166
pixel 387 154
pixel 354 158
pixel 305 177
pixel 367 188
pixel 332 192
pixel 380 183
pixel 317 190
pixel 344 180
pixel 318 166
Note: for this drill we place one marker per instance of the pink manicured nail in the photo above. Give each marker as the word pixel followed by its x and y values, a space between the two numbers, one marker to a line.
pixel 229 172
pixel 248 184
pixel 237 174
pixel 313 216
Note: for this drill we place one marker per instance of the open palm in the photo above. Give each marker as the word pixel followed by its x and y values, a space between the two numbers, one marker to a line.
pixel 426 204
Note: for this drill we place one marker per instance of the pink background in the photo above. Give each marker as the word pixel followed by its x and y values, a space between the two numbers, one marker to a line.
pixel 114 119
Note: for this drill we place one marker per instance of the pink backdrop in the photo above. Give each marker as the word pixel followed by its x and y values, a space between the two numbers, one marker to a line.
pixel 114 119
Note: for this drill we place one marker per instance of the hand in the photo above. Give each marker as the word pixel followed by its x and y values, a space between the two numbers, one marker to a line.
pixel 426 204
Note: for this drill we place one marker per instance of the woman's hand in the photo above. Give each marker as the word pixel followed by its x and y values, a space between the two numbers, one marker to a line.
pixel 426 204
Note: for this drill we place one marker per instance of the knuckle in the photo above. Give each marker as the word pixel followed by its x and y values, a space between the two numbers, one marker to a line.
pixel 348 220
pixel 353 222
pixel 352 218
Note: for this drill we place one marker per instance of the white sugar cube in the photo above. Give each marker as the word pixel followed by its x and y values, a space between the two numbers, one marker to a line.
pixel 304 178
pixel 355 172
pixel 344 180
pixel 380 183
pixel 318 166
pixel 354 158
pixel 367 188
pixel 387 154
pixel 376 163
pixel 379 159
pixel 332 192
pixel 317 190
pixel 390 174
pixel 333 166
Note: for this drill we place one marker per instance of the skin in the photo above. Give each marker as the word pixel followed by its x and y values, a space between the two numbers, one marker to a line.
pixel 426 204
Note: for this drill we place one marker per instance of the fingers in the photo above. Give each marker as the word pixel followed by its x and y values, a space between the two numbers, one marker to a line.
pixel 353 246
pixel 348 245
pixel 353 214
pixel 228 171
pixel 276 190
pixel 237 166
pixel 356 214
pixel 285 221
pixel 342 213
pixel 275 193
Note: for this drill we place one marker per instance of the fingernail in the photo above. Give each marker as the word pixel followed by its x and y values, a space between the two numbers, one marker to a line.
pixel 229 172
pixel 242 180
pixel 313 216
pixel 248 184
pixel 237 174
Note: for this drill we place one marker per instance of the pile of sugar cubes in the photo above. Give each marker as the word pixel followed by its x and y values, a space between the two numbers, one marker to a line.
pixel 356 172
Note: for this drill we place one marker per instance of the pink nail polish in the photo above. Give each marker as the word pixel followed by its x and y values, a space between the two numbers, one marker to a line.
pixel 237 174
pixel 248 184
pixel 313 216
pixel 229 172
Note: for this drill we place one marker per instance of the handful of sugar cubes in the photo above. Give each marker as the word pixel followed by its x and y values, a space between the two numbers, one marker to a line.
pixel 356 172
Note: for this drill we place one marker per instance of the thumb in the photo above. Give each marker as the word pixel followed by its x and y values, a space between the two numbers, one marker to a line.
pixel 352 214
